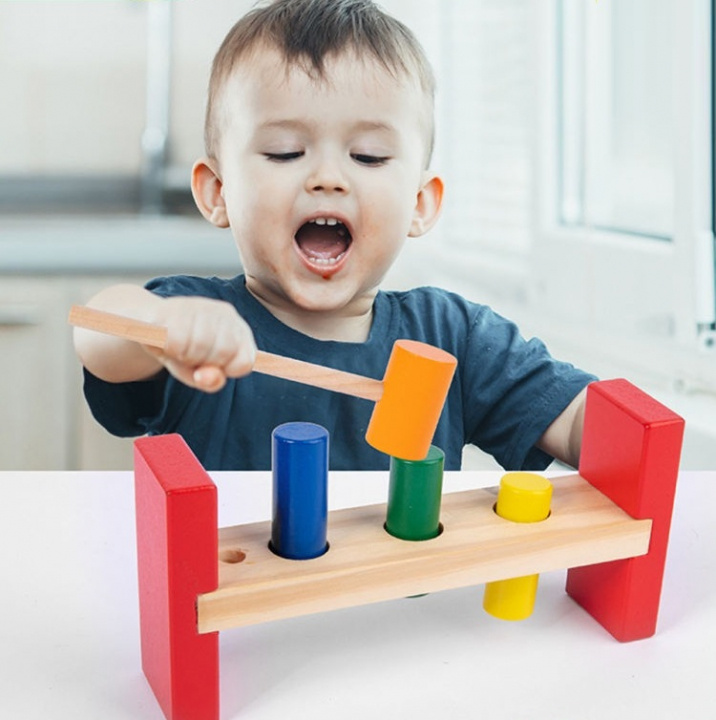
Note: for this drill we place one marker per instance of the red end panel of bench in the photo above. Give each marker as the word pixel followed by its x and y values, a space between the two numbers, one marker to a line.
pixel 631 447
pixel 177 547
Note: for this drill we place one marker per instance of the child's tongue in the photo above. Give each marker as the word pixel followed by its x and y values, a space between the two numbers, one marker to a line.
pixel 321 242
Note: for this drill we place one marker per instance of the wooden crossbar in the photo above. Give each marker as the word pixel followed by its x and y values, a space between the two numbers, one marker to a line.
pixel 365 564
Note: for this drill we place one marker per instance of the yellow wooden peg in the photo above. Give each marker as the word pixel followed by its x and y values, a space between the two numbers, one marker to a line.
pixel 524 498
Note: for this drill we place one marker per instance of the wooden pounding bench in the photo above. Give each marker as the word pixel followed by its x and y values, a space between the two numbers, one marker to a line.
pixel 609 525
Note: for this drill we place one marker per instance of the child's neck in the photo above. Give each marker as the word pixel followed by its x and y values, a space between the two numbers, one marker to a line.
pixel 351 327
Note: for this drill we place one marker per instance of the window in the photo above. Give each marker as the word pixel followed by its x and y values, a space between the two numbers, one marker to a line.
pixel 575 138
pixel 617 94
pixel 624 250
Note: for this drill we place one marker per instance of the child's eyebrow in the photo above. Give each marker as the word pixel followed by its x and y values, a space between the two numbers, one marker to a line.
pixel 287 124
pixel 302 125
pixel 375 125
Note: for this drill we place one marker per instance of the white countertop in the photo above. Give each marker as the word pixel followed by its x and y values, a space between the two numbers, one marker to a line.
pixel 115 244
pixel 70 639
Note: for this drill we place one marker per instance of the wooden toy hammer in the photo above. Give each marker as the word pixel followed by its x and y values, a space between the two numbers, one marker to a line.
pixel 408 401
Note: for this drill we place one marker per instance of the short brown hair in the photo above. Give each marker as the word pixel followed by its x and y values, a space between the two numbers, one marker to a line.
pixel 306 32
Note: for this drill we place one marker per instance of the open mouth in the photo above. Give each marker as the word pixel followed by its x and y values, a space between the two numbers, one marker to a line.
pixel 323 242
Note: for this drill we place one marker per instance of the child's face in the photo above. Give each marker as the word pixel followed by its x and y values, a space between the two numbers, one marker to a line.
pixel 322 180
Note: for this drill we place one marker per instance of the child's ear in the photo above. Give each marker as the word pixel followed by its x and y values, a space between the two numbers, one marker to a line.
pixel 206 188
pixel 427 206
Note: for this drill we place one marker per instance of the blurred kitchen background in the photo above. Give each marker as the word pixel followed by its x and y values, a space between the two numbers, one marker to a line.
pixel 575 138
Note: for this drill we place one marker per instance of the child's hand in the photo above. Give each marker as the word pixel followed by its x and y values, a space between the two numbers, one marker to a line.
pixel 207 342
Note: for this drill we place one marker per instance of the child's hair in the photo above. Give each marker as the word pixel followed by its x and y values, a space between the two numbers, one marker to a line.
pixel 306 32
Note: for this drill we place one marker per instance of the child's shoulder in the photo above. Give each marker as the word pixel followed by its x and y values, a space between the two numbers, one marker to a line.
pixel 434 315
pixel 211 287
pixel 445 318
pixel 430 299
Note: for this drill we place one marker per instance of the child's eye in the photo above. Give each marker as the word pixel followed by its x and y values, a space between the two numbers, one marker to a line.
pixel 364 159
pixel 284 157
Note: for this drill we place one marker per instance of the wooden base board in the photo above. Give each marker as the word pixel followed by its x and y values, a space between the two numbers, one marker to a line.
pixel 365 564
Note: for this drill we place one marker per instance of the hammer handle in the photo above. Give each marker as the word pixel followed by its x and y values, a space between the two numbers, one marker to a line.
pixel 266 363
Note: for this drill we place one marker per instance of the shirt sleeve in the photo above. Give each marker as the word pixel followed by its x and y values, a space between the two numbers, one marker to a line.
pixel 133 408
pixel 125 409
pixel 516 389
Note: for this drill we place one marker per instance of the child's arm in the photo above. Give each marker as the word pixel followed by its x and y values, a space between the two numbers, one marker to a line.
pixel 200 332
pixel 563 438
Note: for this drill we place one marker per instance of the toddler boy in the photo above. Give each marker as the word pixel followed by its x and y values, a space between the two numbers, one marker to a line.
pixel 319 132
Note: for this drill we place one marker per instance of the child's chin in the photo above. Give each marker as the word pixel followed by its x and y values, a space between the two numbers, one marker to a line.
pixel 325 297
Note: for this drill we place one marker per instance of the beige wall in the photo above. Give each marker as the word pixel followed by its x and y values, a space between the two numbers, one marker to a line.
pixel 72 77
pixel 72 81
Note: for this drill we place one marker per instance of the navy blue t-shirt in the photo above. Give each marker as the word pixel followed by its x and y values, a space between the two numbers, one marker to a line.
pixel 505 393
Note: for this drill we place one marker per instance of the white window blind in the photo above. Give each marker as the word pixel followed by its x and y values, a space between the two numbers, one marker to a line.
pixel 486 123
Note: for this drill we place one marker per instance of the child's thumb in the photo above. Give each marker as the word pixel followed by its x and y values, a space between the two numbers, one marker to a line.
pixel 209 378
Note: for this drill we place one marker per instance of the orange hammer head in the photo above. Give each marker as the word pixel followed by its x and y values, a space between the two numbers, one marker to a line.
pixel 416 383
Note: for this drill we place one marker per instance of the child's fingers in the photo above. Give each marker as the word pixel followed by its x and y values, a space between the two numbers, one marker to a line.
pixel 207 342
pixel 231 347
pixel 217 338
pixel 242 361
pixel 206 377
pixel 227 359
pixel 209 378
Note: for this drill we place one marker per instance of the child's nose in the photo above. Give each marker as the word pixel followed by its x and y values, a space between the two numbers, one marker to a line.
pixel 327 176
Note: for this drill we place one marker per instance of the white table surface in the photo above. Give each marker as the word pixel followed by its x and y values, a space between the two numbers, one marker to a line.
pixel 70 644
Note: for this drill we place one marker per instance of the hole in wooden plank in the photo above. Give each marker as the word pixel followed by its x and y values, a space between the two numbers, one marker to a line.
pixel 439 533
pixel 494 510
pixel 288 557
pixel 232 557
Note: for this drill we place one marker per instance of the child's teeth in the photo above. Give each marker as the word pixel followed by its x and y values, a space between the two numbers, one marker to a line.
pixel 327 261
pixel 326 221
pixel 320 221
pixel 331 221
